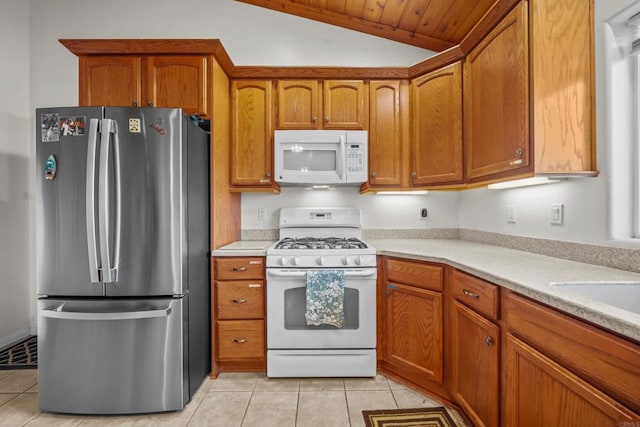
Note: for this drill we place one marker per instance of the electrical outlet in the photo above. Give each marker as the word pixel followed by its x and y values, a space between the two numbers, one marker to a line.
pixel 512 214
pixel 262 214
pixel 556 214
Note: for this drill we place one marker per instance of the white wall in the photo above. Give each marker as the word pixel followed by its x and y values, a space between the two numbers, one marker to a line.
pixel 378 211
pixel 16 272
pixel 585 200
pixel 251 35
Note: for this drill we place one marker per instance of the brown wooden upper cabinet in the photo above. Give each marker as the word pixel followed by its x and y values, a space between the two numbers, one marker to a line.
pixel 330 104
pixel 529 94
pixel 252 135
pixel 386 142
pixel 177 81
pixel 496 108
pixel 436 140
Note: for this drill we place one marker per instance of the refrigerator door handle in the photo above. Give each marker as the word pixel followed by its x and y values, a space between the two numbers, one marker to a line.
pixel 118 195
pixel 90 214
pixel 109 273
pixel 122 315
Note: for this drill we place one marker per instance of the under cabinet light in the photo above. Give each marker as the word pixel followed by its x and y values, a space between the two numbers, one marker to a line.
pixel 525 182
pixel 320 187
pixel 403 193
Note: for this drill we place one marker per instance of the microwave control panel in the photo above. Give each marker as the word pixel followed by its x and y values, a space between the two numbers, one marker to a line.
pixel 355 158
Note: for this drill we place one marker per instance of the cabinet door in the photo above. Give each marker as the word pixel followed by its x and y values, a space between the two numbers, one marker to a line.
pixel 178 82
pixel 539 392
pixel 496 93
pixel 437 127
pixel 414 331
pixel 298 104
pixel 344 104
pixel 562 57
pixel 475 365
pixel 252 135
pixel 385 134
pixel 110 80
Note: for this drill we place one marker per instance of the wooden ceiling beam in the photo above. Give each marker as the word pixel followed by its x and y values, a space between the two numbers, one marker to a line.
pixel 340 20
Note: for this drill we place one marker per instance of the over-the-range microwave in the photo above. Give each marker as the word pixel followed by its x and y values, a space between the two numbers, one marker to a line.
pixel 320 157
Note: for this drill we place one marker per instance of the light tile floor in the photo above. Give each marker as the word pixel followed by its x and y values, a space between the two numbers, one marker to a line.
pixel 233 399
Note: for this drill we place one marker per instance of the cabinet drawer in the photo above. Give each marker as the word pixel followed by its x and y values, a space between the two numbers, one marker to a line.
pixel 239 268
pixel 240 339
pixel 422 275
pixel 483 297
pixel 242 299
pixel 610 363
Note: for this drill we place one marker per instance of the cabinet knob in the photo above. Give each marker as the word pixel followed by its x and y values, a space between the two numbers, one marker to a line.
pixel 150 104
pixel 268 174
pixel 326 119
pixel 488 341
pixel 239 340
pixel 314 119
pixel 387 293
pixel 134 103
pixel 519 152
pixel 414 175
pixel 373 174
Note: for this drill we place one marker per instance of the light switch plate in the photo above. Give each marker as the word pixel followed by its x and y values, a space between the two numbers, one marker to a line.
pixel 556 214
pixel 511 214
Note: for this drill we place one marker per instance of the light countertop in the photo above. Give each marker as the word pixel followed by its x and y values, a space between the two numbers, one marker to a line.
pixel 244 248
pixel 526 273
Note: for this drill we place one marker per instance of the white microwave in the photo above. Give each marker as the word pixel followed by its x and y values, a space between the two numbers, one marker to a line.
pixel 318 157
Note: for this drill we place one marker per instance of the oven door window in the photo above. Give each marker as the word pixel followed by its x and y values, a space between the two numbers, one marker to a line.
pixel 295 304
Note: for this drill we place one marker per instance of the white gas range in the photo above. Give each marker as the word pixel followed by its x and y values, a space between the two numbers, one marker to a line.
pixel 333 335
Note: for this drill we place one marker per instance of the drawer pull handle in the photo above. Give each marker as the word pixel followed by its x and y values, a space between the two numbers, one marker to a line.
pixel 470 294
pixel 489 341
pixel 239 340
pixel 239 268
pixel 239 301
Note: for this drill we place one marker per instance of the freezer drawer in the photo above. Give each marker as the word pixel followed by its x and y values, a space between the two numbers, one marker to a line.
pixel 112 357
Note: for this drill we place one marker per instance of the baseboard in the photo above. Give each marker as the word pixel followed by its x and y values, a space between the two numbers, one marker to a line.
pixel 6 342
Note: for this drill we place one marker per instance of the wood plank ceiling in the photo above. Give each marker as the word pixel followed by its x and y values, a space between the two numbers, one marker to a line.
pixel 430 24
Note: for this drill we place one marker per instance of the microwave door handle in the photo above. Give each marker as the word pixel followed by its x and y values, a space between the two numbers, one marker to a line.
pixel 342 158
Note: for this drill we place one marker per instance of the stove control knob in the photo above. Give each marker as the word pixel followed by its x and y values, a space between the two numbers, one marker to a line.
pixel 283 261
pixel 358 260
pixel 320 260
pixel 345 260
pixel 295 260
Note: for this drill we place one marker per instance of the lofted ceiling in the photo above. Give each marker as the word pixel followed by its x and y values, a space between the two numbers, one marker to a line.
pixel 430 24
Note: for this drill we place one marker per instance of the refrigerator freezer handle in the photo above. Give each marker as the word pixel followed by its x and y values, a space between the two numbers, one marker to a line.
pixel 90 213
pixel 122 315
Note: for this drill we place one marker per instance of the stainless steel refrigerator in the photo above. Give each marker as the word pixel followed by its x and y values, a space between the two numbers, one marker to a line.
pixel 122 225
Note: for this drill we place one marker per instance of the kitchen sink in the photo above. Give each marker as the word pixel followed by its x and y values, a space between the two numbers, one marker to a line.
pixel 624 295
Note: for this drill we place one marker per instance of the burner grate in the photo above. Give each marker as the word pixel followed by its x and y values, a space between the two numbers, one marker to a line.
pixel 321 243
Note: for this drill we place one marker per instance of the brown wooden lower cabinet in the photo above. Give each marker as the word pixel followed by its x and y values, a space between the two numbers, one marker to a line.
pixel 540 392
pixel 240 339
pixel 475 360
pixel 413 323
pixel 238 316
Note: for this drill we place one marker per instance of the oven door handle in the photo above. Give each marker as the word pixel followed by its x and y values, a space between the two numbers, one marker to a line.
pixel 302 273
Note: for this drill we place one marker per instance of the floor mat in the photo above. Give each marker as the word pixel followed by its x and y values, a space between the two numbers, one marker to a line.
pixel 23 355
pixel 424 417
